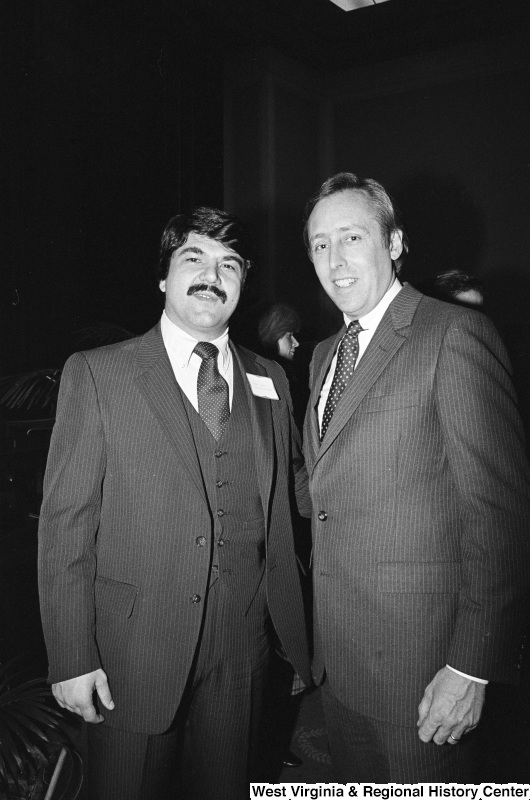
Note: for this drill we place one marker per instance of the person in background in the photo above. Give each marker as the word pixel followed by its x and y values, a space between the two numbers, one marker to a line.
pixel 455 286
pixel 276 331
pixel 420 490
pixel 165 539
pixel 278 328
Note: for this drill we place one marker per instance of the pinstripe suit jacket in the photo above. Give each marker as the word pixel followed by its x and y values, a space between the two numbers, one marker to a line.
pixel 124 502
pixel 420 498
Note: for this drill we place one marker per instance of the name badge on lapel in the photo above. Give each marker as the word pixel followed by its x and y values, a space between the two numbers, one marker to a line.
pixel 262 386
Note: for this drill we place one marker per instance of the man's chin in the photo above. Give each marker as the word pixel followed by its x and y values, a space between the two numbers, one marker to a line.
pixel 346 306
pixel 210 323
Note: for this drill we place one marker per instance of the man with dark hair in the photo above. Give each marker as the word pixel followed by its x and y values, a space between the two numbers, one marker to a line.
pixel 277 327
pixel 165 534
pixel 419 484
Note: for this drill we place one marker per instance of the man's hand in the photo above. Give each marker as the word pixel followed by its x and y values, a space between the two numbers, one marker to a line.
pixel 77 695
pixel 451 706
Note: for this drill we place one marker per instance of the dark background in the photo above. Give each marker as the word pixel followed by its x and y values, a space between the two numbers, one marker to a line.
pixel 116 115
pixel 119 114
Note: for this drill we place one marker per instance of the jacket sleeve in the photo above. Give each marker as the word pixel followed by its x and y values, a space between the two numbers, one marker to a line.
pixel 68 525
pixel 293 444
pixel 303 499
pixel 483 436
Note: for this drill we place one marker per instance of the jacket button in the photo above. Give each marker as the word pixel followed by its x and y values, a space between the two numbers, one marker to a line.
pixel 219 484
pixel 220 512
pixel 218 453
pixel 322 516
pixel 200 541
pixel 195 598
pixel 222 542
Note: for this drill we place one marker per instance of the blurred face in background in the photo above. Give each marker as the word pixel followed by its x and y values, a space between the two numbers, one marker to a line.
pixel 470 297
pixel 287 345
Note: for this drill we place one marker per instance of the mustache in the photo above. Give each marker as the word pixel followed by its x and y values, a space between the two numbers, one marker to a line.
pixel 206 287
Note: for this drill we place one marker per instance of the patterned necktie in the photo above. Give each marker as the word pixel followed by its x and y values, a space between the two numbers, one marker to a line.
pixel 212 390
pixel 346 358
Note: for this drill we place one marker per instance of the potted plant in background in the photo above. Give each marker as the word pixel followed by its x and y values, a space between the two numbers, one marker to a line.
pixel 28 403
pixel 37 759
pixel 36 391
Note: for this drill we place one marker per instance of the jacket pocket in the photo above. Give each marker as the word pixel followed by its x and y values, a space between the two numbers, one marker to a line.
pixel 435 577
pixel 115 597
pixel 389 402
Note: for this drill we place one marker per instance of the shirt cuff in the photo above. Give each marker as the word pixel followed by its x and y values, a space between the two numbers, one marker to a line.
pixel 471 677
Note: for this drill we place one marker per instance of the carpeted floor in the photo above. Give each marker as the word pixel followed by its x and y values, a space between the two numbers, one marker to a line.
pixel 310 743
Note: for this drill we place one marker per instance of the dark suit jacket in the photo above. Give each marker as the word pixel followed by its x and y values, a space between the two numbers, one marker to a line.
pixel 124 502
pixel 420 494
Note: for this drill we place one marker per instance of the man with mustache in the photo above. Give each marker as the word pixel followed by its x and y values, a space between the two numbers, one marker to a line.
pixel 165 535
pixel 420 491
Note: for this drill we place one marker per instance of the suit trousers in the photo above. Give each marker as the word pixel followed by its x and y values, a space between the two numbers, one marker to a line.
pixel 365 750
pixel 219 715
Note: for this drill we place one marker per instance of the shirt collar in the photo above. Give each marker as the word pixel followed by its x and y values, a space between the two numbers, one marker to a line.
pixel 181 344
pixel 371 320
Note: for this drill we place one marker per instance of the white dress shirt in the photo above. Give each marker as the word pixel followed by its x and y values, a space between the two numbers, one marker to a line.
pixel 186 364
pixel 369 325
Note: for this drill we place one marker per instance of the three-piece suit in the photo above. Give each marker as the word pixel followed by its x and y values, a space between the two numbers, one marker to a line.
pixel 153 535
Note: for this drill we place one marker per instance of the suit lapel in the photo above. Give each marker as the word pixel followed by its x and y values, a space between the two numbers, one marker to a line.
pixel 391 334
pixel 321 364
pixel 158 385
pixel 261 420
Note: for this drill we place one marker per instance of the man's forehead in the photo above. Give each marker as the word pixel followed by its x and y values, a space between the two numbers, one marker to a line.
pixel 198 243
pixel 341 211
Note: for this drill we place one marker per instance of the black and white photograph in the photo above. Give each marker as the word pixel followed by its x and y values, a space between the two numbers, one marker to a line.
pixel 264 397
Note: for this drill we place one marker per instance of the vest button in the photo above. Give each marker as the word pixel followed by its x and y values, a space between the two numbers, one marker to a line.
pixel 195 598
pixel 200 541
pixel 222 542
pixel 218 453
pixel 322 516
pixel 219 484
pixel 220 512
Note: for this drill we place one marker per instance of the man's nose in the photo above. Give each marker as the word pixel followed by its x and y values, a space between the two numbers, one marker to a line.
pixel 336 256
pixel 294 342
pixel 210 272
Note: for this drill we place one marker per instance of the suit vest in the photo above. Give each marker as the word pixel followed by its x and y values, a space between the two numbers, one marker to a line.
pixel 229 473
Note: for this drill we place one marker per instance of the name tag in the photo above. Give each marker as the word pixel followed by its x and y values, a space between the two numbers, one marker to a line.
pixel 262 386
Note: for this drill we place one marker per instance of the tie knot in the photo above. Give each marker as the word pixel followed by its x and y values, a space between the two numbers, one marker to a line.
pixel 206 350
pixel 354 328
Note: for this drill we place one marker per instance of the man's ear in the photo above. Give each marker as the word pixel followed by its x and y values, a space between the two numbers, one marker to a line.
pixel 396 244
pixel 162 286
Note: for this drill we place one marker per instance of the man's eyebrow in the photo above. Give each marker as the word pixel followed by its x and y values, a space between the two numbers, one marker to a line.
pixel 198 252
pixel 234 257
pixel 342 229
pixel 192 249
